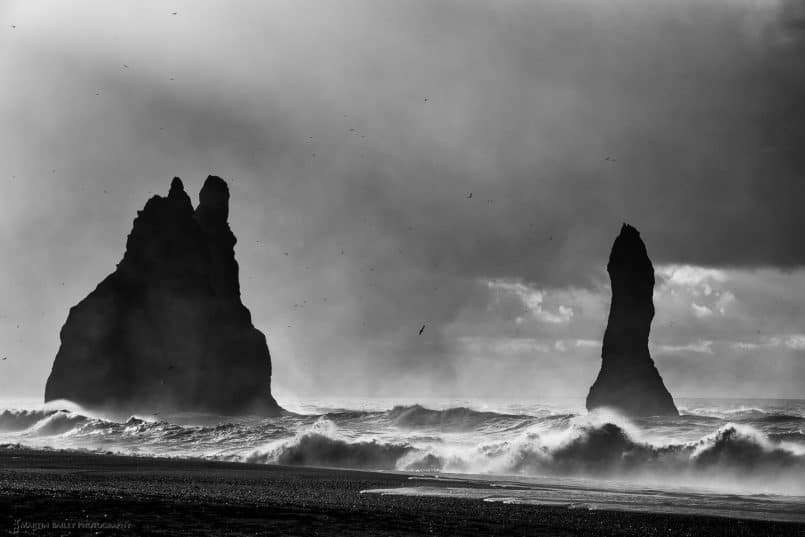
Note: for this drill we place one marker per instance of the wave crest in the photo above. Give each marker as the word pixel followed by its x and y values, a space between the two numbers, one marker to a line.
pixel 743 449
pixel 42 422
pixel 19 420
pixel 321 445
pixel 459 418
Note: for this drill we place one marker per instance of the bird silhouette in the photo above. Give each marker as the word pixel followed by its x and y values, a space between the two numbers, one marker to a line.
pixel 421 329
pixel 470 196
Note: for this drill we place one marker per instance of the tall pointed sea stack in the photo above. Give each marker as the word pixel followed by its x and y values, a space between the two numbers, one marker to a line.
pixel 167 330
pixel 628 381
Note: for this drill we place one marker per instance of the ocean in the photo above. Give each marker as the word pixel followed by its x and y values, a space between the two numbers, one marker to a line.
pixel 724 457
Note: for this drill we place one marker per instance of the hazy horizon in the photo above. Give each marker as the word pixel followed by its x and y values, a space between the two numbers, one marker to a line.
pixel 352 134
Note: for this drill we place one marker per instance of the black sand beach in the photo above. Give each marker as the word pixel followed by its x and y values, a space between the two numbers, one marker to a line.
pixel 60 493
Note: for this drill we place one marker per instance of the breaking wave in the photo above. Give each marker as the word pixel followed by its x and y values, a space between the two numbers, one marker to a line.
pixel 46 422
pixel 322 445
pixel 19 420
pixel 57 423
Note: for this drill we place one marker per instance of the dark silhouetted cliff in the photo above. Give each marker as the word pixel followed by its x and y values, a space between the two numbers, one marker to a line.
pixel 167 330
pixel 628 380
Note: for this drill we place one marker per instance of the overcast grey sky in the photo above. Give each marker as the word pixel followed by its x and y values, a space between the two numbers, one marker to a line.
pixel 362 126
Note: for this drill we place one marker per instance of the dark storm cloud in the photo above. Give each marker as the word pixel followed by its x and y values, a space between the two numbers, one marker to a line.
pixel 363 127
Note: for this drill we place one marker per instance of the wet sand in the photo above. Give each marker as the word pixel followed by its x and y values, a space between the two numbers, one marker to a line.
pixel 60 493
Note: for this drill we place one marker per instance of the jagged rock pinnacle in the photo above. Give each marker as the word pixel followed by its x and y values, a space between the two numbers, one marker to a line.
pixel 167 330
pixel 177 193
pixel 176 187
pixel 628 380
pixel 213 200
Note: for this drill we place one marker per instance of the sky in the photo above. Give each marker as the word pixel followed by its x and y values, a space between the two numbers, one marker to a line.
pixel 352 134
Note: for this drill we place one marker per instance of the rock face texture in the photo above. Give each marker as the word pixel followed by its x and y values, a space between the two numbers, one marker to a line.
pixel 167 330
pixel 628 381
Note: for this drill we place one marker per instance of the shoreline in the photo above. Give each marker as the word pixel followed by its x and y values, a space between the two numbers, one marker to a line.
pixel 46 492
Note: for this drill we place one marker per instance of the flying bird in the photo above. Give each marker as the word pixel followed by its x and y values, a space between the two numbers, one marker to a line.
pixel 470 196
pixel 421 329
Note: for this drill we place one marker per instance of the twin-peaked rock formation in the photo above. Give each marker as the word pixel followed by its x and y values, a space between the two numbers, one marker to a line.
pixel 167 330
pixel 628 380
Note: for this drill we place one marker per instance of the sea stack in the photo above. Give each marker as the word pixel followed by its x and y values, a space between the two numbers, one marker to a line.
pixel 629 381
pixel 167 330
